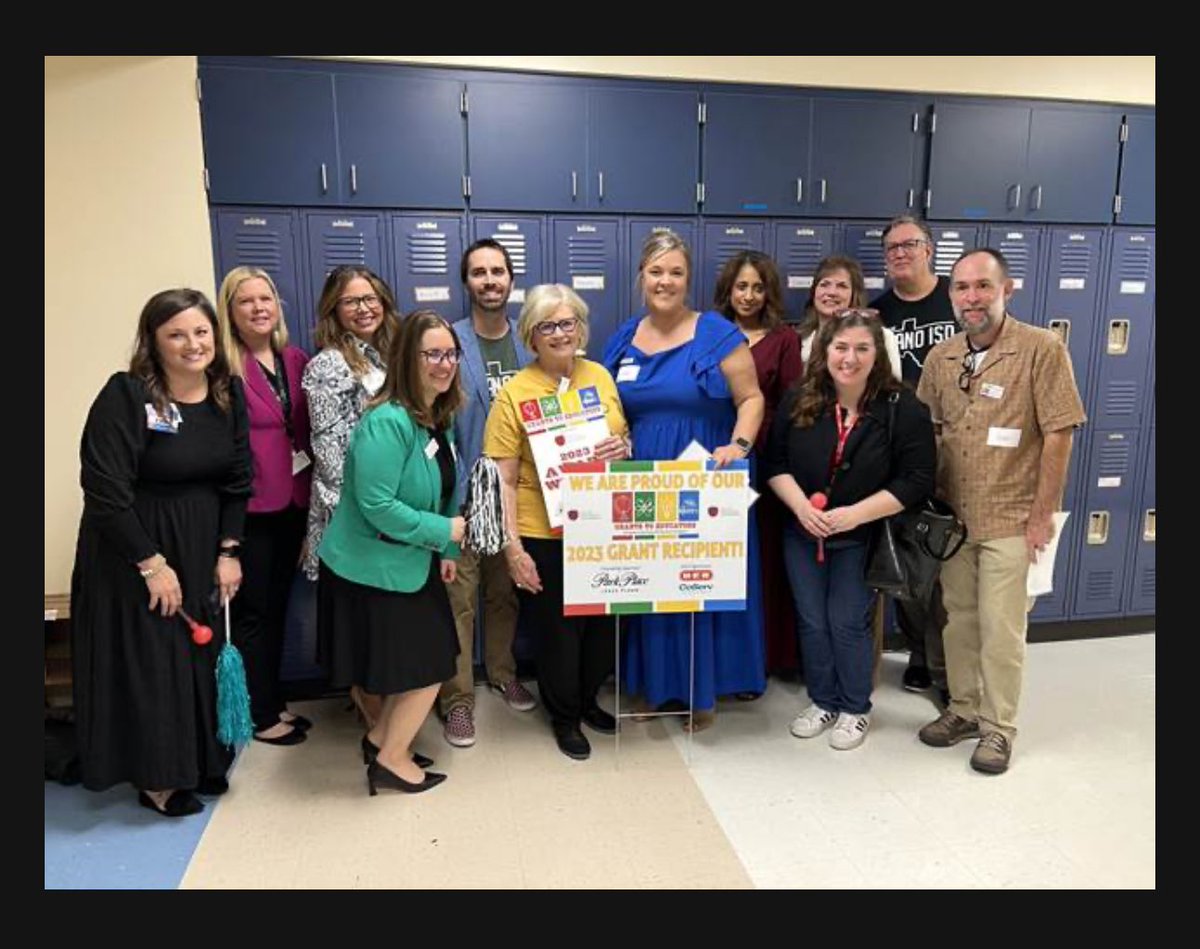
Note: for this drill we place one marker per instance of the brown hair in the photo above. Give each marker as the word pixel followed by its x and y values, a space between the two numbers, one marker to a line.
pixel 773 309
pixel 330 332
pixel 858 289
pixel 146 364
pixel 817 392
pixel 402 384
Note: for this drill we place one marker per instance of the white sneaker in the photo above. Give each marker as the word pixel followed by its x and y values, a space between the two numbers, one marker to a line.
pixel 812 721
pixel 850 731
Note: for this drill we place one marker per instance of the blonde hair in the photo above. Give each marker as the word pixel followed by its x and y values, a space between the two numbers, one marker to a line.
pixel 661 241
pixel 231 342
pixel 541 302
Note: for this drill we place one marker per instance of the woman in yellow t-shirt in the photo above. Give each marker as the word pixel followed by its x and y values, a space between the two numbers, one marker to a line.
pixel 574 653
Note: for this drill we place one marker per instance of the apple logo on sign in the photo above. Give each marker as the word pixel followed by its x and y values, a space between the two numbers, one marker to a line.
pixel 573 515
pixel 712 512
pixel 559 440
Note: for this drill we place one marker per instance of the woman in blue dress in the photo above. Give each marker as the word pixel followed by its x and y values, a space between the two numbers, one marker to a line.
pixel 684 375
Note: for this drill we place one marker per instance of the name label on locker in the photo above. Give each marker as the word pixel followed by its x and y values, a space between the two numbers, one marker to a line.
pixel 587 282
pixel 734 231
pixel 517 295
pixel 1108 483
pixel 508 227
pixel 1077 237
pixel 949 235
pixel 1133 286
pixel 1014 236
pixel 1072 283
pixel 873 283
pixel 585 229
pixel 427 225
pixel 874 232
pixel 799 283
pixel 254 221
pixel 805 232
pixel 342 223
pixel 432 294
pixel 1018 283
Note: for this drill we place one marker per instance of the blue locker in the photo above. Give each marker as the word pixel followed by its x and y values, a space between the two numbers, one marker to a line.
pixel 1021 245
pixel 426 254
pixel 587 258
pixel 950 241
pixel 1055 605
pixel 1108 509
pixel 723 239
pixel 864 242
pixel 1073 291
pixel 636 231
pixel 270 239
pixel 799 247
pixel 525 240
pixel 1125 333
pixel 1141 580
pixel 337 239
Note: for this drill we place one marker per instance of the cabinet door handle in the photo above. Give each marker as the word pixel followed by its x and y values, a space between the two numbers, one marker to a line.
pixel 911 197
pixel 354 179
pixel 574 185
pixel 1037 197
pixel 600 174
pixel 324 179
pixel 1014 195
pixel 799 190
pixel 823 190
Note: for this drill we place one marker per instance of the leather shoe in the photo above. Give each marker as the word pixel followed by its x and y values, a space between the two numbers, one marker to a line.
pixel 213 787
pixel 294 737
pixel 599 720
pixel 916 678
pixel 297 721
pixel 571 741
pixel 384 777
pixel 371 752
pixel 179 804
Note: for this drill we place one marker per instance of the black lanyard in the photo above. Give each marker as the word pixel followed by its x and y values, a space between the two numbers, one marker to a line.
pixel 279 385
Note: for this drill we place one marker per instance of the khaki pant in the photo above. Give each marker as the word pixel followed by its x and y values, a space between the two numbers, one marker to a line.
pixel 983 589
pixel 499 627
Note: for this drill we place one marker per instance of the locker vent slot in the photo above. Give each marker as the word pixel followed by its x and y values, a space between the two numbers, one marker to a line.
pixel 517 246
pixel 1121 399
pixel 428 253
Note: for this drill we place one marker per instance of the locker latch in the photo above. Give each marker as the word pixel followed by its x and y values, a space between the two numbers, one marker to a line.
pixel 1062 327
pixel 1097 532
pixel 1148 526
pixel 1118 337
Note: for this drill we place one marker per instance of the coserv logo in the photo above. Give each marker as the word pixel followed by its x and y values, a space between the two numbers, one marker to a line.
pixel 695 576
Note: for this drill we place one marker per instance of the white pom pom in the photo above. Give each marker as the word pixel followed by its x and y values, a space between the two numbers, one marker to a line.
pixel 484 509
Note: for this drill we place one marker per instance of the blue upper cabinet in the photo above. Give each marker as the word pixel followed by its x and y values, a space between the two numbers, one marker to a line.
pixel 644 150
pixel 977 161
pixel 756 150
pixel 402 141
pixel 269 136
pixel 1019 163
pixel 1073 154
pixel 528 146
pixel 1137 171
pixel 866 156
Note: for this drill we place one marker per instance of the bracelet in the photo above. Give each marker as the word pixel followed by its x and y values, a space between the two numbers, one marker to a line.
pixel 153 571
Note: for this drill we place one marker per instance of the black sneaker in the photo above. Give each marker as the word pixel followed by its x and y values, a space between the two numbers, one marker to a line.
pixel 599 720
pixel 571 741
pixel 916 679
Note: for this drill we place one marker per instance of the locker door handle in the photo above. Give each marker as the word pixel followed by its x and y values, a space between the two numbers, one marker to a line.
pixel 1118 337
pixel 823 190
pixel 1014 197
pixel 911 197
pixel 1148 526
pixel 574 185
pixel 1062 327
pixel 1097 532
pixel 799 190
pixel 600 174
pixel 324 179
pixel 354 179
pixel 1037 197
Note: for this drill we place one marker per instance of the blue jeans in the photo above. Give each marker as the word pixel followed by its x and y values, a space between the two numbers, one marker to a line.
pixel 833 618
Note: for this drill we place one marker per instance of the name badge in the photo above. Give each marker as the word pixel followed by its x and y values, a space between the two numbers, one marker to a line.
pixel 1004 437
pixel 990 390
pixel 563 385
pixel 628 373
pixel 168 423
pixel 431 448
pixel 372 381
pixel 300 461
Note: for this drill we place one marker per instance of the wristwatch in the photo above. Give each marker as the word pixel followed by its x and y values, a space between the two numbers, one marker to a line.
pixel 744 445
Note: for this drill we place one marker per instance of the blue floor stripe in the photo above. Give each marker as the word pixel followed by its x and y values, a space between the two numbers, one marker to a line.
pixel 106 840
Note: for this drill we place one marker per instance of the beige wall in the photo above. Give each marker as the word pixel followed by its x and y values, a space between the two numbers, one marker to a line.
pixel 126 216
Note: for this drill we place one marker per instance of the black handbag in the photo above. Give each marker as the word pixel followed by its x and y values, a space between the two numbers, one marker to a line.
pixel 908 549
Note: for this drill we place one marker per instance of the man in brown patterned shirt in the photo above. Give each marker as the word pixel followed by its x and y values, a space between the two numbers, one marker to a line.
pixel 1004 404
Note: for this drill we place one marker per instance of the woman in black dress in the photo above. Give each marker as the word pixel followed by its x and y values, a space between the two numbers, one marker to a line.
pixel 166 474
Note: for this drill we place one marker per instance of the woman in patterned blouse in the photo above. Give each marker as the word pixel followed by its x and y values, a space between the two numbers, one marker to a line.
pixel 356 321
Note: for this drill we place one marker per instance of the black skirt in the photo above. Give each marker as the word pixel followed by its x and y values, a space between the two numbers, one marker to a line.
pixel 396 641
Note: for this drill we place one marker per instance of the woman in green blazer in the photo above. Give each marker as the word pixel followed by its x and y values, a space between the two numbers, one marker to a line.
pixel 382 574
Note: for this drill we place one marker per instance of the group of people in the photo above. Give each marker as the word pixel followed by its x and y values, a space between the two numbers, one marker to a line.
pixel 225 458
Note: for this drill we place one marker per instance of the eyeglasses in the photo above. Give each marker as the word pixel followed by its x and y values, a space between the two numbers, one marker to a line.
pixel 968 371
pixel 909 246
pixel 548 328
pixel 369 300
pixel 439 356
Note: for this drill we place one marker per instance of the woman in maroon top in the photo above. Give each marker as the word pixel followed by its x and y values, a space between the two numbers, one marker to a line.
pixel 749 293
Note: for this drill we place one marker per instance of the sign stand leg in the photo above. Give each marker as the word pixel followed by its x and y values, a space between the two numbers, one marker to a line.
pixel 691 689
pixel 617 697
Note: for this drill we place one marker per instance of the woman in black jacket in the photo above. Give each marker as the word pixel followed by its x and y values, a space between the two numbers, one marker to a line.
pixel 832 463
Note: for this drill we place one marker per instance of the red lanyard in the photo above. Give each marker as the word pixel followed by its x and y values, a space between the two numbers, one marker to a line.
pixel 843 433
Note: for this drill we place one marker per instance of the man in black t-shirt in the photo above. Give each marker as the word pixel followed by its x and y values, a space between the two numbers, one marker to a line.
pixel 917 309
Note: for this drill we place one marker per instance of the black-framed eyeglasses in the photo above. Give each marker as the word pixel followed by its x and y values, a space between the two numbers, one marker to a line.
pixel 439 356
pixel 369 300
pixel 547 328
pixel 968 371
pixel 909 246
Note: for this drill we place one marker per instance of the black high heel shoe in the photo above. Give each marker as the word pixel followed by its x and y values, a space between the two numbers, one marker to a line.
pixel 370 753
pixel 384 777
